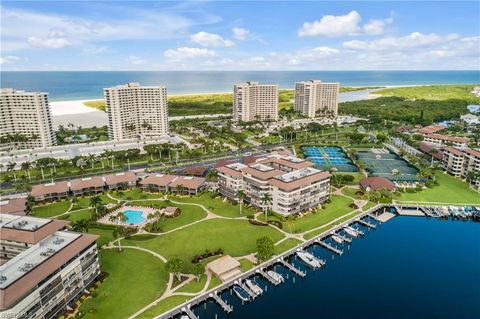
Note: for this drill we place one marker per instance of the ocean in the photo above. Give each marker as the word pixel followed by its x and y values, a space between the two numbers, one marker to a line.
pixel 89 84
pixel 409 267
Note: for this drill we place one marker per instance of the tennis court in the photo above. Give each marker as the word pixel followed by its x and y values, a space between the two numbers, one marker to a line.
pixel 389 165
pixel 326 158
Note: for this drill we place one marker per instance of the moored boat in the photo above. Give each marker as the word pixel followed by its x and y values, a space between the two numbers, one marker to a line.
pixel 253 287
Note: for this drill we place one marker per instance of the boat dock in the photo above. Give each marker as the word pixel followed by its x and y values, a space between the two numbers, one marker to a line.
pixel 363 222
pixel 329 247
pixel 373 216
pixel 291 267
pixel 190 313
pixel 358 231
pixel 247 290
pixel 272 280
pixel 225 306
pixel 344 238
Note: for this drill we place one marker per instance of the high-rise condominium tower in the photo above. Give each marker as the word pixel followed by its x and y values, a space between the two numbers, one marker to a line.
pixel 25 120
pixel 316 99
pixel 253 101
pixel 136 111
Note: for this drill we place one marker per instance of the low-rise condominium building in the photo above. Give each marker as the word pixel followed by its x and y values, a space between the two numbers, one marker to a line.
pixel 44 268
pixel 292 184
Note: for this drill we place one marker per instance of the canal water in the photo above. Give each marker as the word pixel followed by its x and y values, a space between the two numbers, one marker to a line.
pixel 409 267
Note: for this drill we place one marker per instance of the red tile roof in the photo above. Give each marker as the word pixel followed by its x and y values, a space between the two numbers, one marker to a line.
pixel 456 139
pixel 377 183
pixel 453 150
pixel 431 129
pixel 288 186
pixel 83 183
pixel 15 206
pixel 44 189
pixel 124 177
pixel 189 182
pixel 158 180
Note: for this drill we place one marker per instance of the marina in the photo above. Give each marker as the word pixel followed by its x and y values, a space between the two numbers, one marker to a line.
pixel 249 285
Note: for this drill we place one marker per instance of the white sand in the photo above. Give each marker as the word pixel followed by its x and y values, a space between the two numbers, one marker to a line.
pixel 71 107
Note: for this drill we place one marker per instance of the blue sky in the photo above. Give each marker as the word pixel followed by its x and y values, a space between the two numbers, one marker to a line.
pixel 234 35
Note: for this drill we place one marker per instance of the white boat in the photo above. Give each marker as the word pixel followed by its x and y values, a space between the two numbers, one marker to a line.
pixel 242 294
pixel 351 232
pixel 253 287
pixel 309 259
pixel 275 275
pixel 184 317
pixel 337 239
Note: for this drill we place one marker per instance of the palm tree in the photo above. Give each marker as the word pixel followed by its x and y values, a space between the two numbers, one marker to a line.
pixel 241 196
pixel 80 226
pixel 112 218
pixel 118 233
pixel 95 201
pixel 26 166
pixel 121 217
pixel 11 168
pixel 92 159
pixel 266 200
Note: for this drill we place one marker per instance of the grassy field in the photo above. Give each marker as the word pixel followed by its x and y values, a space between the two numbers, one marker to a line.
pixel 323 229
pixel 104 231
pixel 50 210
pixel 246 264
pixel 189 214
pixel 216 205
pixel 97 104
pixel 433 92
pixel 163 306
pixel 128 287
pixel 235 237
pixel 194 286
pixel 450 190
pixel 286 245
pixel 349 191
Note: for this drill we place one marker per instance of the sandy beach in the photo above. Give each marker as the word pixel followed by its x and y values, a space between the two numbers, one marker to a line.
pixel 71 107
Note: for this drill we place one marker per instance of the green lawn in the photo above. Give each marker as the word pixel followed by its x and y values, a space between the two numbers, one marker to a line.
pixel 189 214
pixel 350 191
pixel 194 286
pixel 104 231
pixel 135 194
pixel 338 207
pixel 53 209
pixel 162 306
pixel 246 264
pixel 216 205
pixel 84 202
pixel 368 206
pixel 235 237
pixel 78 215
pixel 214 282
pixel 323 229
pixel 135 279
pixel 450 190
pixel 286 245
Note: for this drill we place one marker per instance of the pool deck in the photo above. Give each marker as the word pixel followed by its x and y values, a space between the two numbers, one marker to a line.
pixel 144 209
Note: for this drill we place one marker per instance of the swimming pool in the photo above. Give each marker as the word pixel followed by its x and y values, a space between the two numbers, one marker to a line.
pixel 134 216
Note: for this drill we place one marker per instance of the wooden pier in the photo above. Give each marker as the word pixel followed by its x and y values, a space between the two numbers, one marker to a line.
pixel 329 247
pixel 363 222
pixel 225 306
pixel 247 290
pixel 189 313
pixel 373 216
pixel 347 239
pixel 269 278
pixel 291 267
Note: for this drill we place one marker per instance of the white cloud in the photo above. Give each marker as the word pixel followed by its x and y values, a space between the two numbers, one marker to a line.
pixel 241 33
pixel 132 59
pixel 9 59
pixel 413 40
pixel 206 39
pixel 49 43
pixel 189 53
pixel 21 27
pixel 349 24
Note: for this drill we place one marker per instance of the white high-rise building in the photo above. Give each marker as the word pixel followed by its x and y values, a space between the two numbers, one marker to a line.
pixel 136 111
pixel 25 120
pixel 253 101
pixel 314 98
